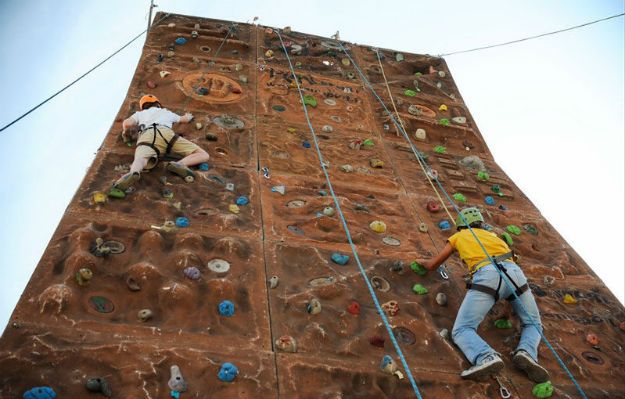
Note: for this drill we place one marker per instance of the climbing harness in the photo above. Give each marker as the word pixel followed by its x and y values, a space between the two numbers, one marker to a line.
pixel 337 204
pixel 453 204
pixel 519 290
pixel 503 391
pixel 155 130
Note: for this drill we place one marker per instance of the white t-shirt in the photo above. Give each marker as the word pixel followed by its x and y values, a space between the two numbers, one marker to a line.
pixel 160 116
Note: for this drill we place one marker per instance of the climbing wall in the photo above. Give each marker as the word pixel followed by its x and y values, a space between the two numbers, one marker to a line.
pixel 126 290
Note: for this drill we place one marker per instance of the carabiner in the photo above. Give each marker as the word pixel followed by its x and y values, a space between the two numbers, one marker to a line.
pixel 443 272
pixel 503 391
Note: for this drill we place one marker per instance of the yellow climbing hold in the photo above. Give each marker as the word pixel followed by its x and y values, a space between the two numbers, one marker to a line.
pixel 99 197
pixel 291 129
pixel 378 226
pixel 269 53
pixel 443 107
pixel 233 208
pixel 569 299
pixel 376 163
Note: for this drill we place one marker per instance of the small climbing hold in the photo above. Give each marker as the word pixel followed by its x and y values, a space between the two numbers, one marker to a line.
pixel 100 248
pixel 230 186
pixel 543 390
pixel 167 193
pixel 489 200
pixel 391 307
pixel 286 343
pixel 83 276
pixel 399 57
pixel 502 323
pixel 419 289
pixel 347 168
pixel 189 179
pixel 194 34
pixel 327 128
pixel 313 306
pixel 495 188
pixel 99 385
pixel 211 137
pixel 323 193
pixel 420 134
pixel 513 229
pixel 203 166
pixel 39 393
pixel 192 273
pixel 423 227
pixel 340 259
pixel 389 366
pixel 132 284
pixel 227 372
pixel 99 198
pixel 484 176
pixel 202 91
pixel 368 143
pixel 507 238
pixel 459 197
pixel 171 53
pixel 182 221
pixel 180 41
pixel 376 163
pixel 433 206
pixel 410 93
pixel 442 107
pixel 310 100
pixel 569 299
pixel 279 108
pixel 391 241
pixel 621 325
pixel 233 208
pixel 198 126
pixel 328 211
pixel 164 74
pixel 160 58
pixel 398 267
pixel 549 280
pixel 460 120
pixel 274 281
pixel 418 268
pixel 530 229
pixel 144 314
pixel 378 226
pixel 443 122
pixel 151 84
pixel 242 200
pixel 377 341
pixel 592 339
pixel 444 333
pixel 439 149
pixel 444 225
pixel 176 381
pixel 441 299
pixel 353 308
pixel 226 308
pixel 269 53
pixel 503 207
pixel 414 110
pixel 278 189
pixel 305 144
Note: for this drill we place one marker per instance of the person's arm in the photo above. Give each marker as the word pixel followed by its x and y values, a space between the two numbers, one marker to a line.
pixel 186 118
pixel 434 263
pixel 127 124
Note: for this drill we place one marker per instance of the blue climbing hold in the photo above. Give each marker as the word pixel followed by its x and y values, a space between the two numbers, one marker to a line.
pixel 226 308
pixel 323 193
pixel 242 200
pixel 340 259
pixel 306 144
pixel 175 394
pixel 202 91
pixel 489 200
pixel 204 166
pixel 228 372
pixel 444 225
pixel 181 40
pixel 39 393
pixel 182 221
pixel 503 207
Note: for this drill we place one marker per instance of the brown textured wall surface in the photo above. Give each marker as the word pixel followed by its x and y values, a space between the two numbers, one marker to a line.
pixel 62 333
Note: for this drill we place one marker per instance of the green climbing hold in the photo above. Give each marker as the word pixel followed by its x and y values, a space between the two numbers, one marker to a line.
pixel 507 238
pixel 115 192
pixel 419 289
pixel 444 122
pixel 368 143
pixel 483 176
pixel 310 100
pixel 503 323
pixel 495 188
pixel 513 229
pixel 418 74
pixel 410 93
pixel 439 149
pixel 419 269
pixel 530 229
pixel 543 390
pixel 460 197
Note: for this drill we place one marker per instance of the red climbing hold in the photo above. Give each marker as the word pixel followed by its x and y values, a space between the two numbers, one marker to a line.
pixel 376 340
pixel 433 206
pixel 592 339
pixel 354 308
pixel 151 84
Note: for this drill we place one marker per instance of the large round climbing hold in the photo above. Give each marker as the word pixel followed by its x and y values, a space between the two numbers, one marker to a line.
pixel 226 308
pixel 420 134
pixel 378 226
pixel 227 372
pixel 228 122
pixel 339 259
pixel 180 41
pixel 286 343
pixel 380 283
pixel 218 266
pixel 295 204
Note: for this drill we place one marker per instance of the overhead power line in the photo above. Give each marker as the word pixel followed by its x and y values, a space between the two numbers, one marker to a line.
pixel 533 37
pixel 80 77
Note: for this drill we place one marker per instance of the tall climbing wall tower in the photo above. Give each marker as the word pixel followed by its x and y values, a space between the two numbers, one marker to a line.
pixel 263 233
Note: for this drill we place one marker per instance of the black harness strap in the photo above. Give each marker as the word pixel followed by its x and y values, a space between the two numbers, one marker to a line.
pixel 518 291
pixel 170 143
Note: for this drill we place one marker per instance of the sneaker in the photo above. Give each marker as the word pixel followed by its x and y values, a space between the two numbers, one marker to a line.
pixel 491 364
pixel 127 180
pixel 523 361
pixel 179 169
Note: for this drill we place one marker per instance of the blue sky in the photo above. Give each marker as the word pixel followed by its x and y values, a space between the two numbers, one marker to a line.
pixel 551 109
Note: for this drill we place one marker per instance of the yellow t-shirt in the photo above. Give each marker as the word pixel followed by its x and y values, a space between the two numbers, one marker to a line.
pixel 470 251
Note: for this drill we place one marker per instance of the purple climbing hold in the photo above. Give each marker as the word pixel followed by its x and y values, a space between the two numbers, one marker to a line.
pixel 489 200
pixel 192 273
pixel 39 393
pixel 182 221
pixel 226 308
pixel 228 372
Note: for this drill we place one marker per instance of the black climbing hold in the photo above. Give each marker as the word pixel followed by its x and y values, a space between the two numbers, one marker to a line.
pixel 160 58
pixel 101 304
pixel 211 137
pixel 99 385
pixel 404 335
pixel 536 290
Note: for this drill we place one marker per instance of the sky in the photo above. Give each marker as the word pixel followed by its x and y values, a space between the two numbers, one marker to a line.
pixel 550 110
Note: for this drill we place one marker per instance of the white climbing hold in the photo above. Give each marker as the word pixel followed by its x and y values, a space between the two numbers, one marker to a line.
pixel 219 265
pixel 164 74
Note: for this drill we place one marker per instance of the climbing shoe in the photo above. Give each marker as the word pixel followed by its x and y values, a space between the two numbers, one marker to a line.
pixel 179 169
pixel 126 180
pixel 491 364
pixel 535 372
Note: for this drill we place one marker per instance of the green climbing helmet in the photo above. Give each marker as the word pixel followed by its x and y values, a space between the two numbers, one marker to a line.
pixel 470 215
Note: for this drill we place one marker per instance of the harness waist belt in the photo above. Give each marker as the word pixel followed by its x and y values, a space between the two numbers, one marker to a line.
pixel 495 293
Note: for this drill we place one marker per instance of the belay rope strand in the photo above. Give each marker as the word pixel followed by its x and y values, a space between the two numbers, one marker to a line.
pixel 453 204
pixel 347 233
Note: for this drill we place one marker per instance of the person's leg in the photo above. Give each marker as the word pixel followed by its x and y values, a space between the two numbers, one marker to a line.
pixel 471 313
pixel 192 155
pixel 144 157
pixel 195 158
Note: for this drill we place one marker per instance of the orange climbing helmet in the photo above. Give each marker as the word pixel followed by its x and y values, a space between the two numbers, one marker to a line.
pixel 148 98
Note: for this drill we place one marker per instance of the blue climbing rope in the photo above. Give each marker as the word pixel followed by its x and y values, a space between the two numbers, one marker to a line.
pixel 349 237
pixel 453 204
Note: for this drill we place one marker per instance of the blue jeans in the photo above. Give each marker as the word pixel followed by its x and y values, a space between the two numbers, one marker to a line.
pixel 476 305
